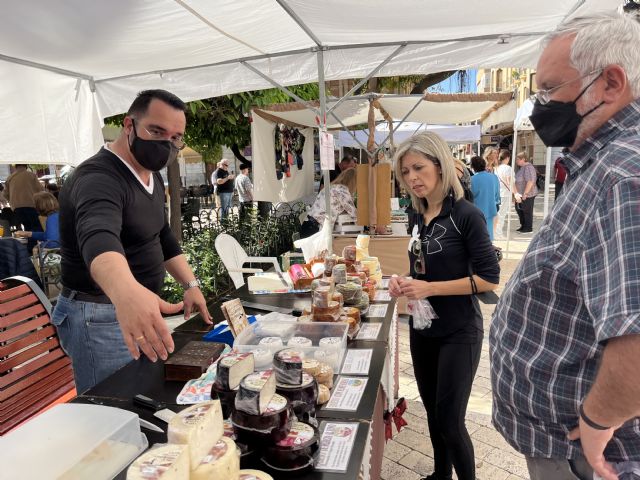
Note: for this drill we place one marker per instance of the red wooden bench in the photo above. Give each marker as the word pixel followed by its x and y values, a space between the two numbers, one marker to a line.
pixel 34 370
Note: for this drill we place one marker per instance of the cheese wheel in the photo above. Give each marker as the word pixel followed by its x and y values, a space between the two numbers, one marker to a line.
pixel 253 475
pixel 328 356
pixel 311 366
pixel 299 342
pixel 227 398
pixel 323 394
pixel 331 343
pixel 222 462
pixel 199 426
pixel 325 375
pixel 271 426
pixel 232 368
pixel 302 398
pixel 262 357
pixel 169 462
pixel 272 343
pixel 287 364
pixel 255 392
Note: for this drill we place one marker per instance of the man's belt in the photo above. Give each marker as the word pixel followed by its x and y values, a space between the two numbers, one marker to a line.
pixel 83 297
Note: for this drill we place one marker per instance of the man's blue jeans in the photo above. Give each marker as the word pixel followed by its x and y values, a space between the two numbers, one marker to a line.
pixel 225 203
pixel 91 336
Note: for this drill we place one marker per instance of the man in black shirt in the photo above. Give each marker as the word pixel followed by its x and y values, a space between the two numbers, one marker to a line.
pixel 116 244
pixel 224 179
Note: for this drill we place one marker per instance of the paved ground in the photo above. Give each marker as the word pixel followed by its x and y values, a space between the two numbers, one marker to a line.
pixel 409 455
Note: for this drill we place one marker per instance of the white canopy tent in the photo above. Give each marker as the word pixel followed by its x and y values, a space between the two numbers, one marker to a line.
pixel 67 64
pixel 450 133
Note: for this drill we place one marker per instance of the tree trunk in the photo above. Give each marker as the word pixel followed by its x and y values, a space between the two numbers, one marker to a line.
pixel 429 80
pixel 173 175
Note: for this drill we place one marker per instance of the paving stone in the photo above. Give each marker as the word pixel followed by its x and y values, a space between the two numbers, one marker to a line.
pixel 512 462
pixel 402 366
pixel 482 382
pixel 471 426
pixel 404 379
pixel 409 371
pixel 487 471
pixel 479 390
pixel 416 408
pixel 479 418
pixel 415 423
pixel 517 477
pixel 481 450
pixel 418 462
pixel 394 471
pixel 395 451
pixel 492 437
pixel 409 392
pixel 415 441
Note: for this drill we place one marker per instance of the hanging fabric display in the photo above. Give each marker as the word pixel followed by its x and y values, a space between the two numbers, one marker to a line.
pixel 289 143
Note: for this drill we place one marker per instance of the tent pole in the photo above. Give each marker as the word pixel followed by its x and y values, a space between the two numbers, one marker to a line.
pixel 547 176
pixel 281 87
pixel 48 68
pixel 322 124
pixel 365 79
pixel 346 129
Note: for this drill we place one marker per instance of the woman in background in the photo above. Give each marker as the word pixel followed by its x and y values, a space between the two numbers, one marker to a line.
pixel 490 156
pixel 341 191
pixel 504 172
pixel 486 192
pixel 47 206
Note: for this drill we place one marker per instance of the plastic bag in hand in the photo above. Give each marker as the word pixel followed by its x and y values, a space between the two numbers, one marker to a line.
pixel 422 312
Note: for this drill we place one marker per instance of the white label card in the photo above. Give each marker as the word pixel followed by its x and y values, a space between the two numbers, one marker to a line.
pixel 382 296
pixel 347 393
pixel 384 284
pixel 357 361
pixel 336 443
pixel 327 159
pixel 369 331
pixel 377 310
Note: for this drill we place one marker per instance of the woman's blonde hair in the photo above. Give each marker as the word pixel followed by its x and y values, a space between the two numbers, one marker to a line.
pixel 348 178
pixel 431 146
pixel 486 154
pixel 45 203
pixel 523 156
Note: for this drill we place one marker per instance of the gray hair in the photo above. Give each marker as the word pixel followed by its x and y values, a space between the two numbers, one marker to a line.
pixel 603 39
pixel 434 148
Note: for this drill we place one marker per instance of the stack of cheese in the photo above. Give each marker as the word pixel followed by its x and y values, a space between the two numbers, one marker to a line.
pixel 196 450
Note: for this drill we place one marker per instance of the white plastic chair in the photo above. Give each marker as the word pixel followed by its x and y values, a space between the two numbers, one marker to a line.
pixel 234 257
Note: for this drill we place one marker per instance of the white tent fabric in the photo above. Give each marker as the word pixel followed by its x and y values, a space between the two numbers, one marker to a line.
pixel 197 49
pixel 522 121
pixel 266 186
pixel 450 133
pixel 500 116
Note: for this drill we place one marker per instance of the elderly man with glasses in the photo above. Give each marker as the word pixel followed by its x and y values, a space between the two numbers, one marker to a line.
pixel 116 245
pixel 565 336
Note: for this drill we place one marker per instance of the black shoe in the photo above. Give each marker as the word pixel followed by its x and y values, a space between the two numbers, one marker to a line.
pixel 526 231
pixel 519 229
pixel 433 476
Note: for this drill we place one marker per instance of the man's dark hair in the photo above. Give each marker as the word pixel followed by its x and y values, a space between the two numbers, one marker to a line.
pixel 348 159
pixel 504 154
pixel 140 105
pixel 478 164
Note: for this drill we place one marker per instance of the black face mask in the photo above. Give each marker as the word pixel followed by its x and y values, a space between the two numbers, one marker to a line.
pixel 556 123
pixel 152 155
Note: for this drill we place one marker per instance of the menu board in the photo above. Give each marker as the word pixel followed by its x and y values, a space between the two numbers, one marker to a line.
pixel 346 394
pixel 336 444
pixel 357 361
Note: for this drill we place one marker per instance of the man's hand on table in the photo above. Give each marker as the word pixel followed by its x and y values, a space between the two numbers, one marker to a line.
pixel 142 325
pixel 194 300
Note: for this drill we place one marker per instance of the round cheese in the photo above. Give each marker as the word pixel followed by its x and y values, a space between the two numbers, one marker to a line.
pixel 323 394
pixel 169 462
pixel 254 475
pixel 299 342
pixel 222 462
pixel 287 364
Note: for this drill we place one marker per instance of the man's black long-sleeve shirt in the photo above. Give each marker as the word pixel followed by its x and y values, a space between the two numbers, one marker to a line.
pixel 104 208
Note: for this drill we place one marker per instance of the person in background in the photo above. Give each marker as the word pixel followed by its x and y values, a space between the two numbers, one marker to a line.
pixel 560 174
pixel 464 175
pixel 565 335
pixel 224 190
pixel 47 206
pixel 347 162
pixel 117 246
pixel 490 156
pixel 451 258
pixel 342 190
pixel 53 189
pixel 525 192
pixel 244 188
pixel 504 172
pixel 19 190
pixel 485 187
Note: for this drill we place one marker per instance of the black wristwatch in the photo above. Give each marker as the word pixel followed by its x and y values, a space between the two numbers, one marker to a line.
pixel 192 284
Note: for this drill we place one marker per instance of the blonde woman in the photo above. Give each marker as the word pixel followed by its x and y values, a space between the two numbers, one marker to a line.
pixel 451 258
pixel 342 190
pixel 490 156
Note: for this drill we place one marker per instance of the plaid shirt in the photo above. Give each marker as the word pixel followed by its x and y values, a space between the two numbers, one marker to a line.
pixel 577 286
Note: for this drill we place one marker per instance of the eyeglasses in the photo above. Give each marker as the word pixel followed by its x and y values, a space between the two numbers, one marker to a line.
pixel 544 96
pixel 158 134
pixel 416 248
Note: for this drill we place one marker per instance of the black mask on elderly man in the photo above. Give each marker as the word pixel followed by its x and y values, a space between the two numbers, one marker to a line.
pixel 556 123
pixel 152 155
